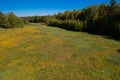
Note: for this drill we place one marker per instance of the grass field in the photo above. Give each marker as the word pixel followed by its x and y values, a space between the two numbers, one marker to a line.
pixel 39 52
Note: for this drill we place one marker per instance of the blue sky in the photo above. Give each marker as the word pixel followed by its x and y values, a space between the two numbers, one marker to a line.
pixel 44 7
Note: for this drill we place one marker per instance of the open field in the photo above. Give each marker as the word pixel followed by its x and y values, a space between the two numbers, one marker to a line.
pixel 39 52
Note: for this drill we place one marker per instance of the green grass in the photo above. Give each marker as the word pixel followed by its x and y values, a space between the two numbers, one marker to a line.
pixel 39 52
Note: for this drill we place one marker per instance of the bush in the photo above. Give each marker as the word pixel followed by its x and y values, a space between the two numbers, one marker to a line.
pixel 72 25
pixel 14 21
pixel 3 20
pixel 53 22
pixel 10 21
pixel 66 24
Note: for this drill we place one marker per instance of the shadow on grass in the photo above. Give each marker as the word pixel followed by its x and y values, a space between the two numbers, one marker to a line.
pixel 117 38
pixel 118 50
pixel 105 35
pixel 114 37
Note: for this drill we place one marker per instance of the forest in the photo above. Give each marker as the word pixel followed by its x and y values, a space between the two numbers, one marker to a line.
pixel 101 19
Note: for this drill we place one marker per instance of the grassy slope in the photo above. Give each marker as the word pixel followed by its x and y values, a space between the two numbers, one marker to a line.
pixel 38 52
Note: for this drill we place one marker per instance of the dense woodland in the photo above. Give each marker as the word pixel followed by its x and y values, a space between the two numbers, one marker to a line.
pixel 101 19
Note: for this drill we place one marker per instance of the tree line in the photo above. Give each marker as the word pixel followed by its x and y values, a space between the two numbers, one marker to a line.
pixel 10 20
pixel 101 19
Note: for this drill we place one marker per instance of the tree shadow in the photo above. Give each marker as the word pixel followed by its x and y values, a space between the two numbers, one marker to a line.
pixel 118 50
pixel 113 37
pixel 117 38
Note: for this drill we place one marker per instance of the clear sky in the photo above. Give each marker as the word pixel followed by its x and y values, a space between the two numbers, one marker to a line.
pixel 44 7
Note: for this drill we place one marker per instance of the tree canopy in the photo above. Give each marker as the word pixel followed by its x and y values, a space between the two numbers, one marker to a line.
pixel 10 20
pixel 101 19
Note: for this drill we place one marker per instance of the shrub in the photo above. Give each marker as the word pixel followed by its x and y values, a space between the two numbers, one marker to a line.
pixel 14 21
pixel 53 22
pixel 73 25
pixel 10 21
pixel 66 24
pixel 3 20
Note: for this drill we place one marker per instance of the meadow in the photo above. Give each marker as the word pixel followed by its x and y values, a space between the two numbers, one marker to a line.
pixel 40 52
